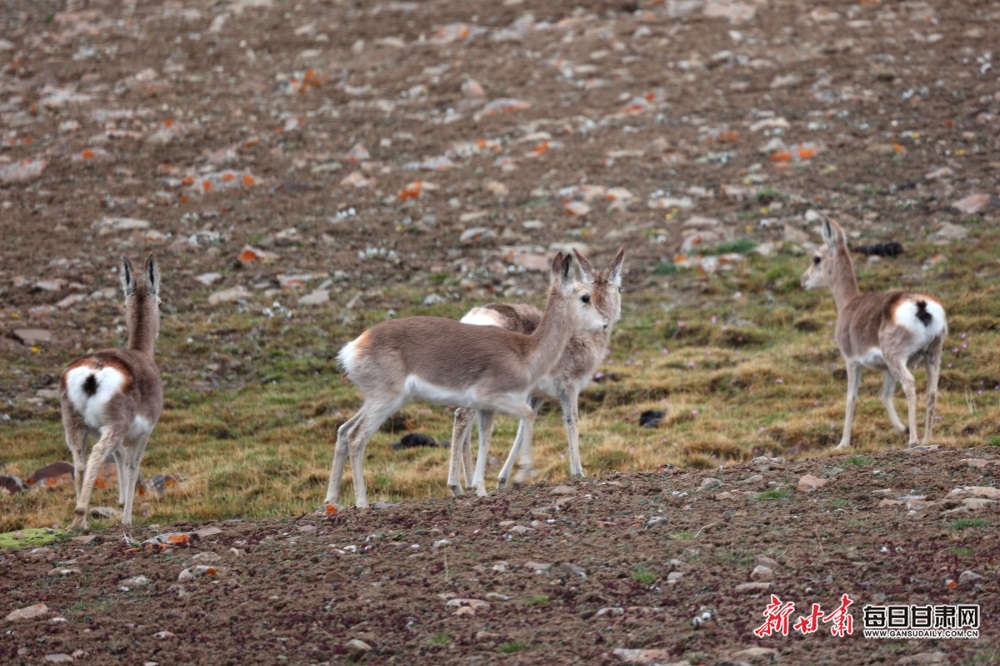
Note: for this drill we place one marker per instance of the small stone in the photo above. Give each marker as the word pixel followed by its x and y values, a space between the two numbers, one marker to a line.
pixel 674 577
pixel 58 658
pixel 968 577
pixel 32 336
pixel 317 297
pixel 208 279
pixel 136 581
pixel 192 573
pixel 521 529
pixel 357 648
pixel 563 490
pixel 978 463
pixel 761 572
pixel 12 483
pixel 476 235
pixel 754 479
pixel 537 567
pixel 232 295
pixel 28 613
pixel 647 656
pixel 761 654
pixel 950 232
pixel 657 521
pixel 988 492
pixel 109 225
pixel 572 570
pixel 709 483
pixel 752 587
pixel 163 635
pixel 971 204
pixel 809 483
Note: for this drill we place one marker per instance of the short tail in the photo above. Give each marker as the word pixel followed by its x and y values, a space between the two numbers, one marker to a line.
pixel 923 315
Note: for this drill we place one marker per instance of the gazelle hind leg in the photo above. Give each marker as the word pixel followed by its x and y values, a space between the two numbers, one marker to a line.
pixel 375 416
pixel 458 464
pixel 504 477
pixel 340 458
pixel 76 441
pixel 133 456
pixel 485 422
pixel 110 439
pixel 888 388
pixel 932 359
pixel 903 375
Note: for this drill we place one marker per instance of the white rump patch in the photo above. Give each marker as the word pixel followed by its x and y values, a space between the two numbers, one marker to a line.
pixel 91 407
pixel 906 316
pixel 483 317
pixel 140 428
pixel 349 356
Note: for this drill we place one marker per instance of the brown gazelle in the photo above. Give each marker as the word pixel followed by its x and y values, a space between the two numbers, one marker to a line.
pixel 116 396
pixel 444 361
pixel 882 331
pixel 570 375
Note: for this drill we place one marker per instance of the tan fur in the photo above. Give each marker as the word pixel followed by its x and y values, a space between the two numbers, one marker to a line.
pixel 874 331
pixel 441 360
pixel 128 414
pixel 571 373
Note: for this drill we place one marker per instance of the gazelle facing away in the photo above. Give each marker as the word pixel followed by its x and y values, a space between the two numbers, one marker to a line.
pixel 883 331
pixel 570 375
pixel 444 361
pixel 116 396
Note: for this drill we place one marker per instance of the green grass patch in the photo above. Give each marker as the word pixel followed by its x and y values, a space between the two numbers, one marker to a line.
pixel 440 638
pixel 994 440
pixel 537 600
pixel 962 551
pixel 774 494
pixel 665 268
pixel 642 574
pixel 39 536
pixel 512 647
pixel 859 461
pixel 968 523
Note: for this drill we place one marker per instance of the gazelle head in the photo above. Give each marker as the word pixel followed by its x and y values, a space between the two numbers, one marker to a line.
pixel 829 260
pixel 605 286
pixel 142 304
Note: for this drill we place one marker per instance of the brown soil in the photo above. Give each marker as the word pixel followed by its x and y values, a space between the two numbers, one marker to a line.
pixel 663 99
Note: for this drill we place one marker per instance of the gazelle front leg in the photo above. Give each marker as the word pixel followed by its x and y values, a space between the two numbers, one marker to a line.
pixel 485 422
pixel 568 401
pixel 525 465
pixel 131 455
pixel 853 380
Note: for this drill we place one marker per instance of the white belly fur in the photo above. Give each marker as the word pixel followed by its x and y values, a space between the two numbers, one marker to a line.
pixel 419 389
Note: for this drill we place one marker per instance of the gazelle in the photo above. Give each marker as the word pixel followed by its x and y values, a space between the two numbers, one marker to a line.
pixel 882 331
pixel 444 361
pixel 116 395
pixel 570 375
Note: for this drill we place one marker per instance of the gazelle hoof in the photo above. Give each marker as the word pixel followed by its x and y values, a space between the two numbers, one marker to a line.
pixel 457 491
pixel 524 476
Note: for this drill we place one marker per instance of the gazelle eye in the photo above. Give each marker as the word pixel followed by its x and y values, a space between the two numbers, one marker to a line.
pixel 816 260
pixel 585 298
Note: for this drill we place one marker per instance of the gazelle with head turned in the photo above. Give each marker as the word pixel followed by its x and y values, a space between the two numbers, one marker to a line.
pixel 570 375
pixel 116 395
pixel 447 362
pixel 882 331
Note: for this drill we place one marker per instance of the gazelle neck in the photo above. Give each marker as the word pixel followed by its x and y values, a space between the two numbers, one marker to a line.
pixel 554 330
pixel 844 284
pixel 143 321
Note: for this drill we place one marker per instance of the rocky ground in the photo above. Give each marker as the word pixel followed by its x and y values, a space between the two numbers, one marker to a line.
pixel 327 152
pixel 667 567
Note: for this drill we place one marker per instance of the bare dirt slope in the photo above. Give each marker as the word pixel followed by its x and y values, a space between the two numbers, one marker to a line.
pixel 314 144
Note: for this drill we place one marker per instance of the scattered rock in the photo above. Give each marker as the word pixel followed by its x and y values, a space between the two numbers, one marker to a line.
pixel 647 657
pixel 971 204
pixel 950 232
pixel 753 587
pixel 28 613
pixel 414 440
pixel 537 567
pixel 50 476
pixel 232 295
pixel 32 336
pixel 809 483
pixel 761 572
pixel 199 571
pixel 12 483
pixel 317 297
pixel 58 658
pixel 357 648
pixel 969 577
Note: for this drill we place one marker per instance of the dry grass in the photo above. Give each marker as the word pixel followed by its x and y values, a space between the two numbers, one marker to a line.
pixel 253 403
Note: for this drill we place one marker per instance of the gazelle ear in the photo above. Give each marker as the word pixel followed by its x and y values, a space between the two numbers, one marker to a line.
pixel 616 267
pixel 152 272
pixel 584 264
pixel 832 234
pixel 127 277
